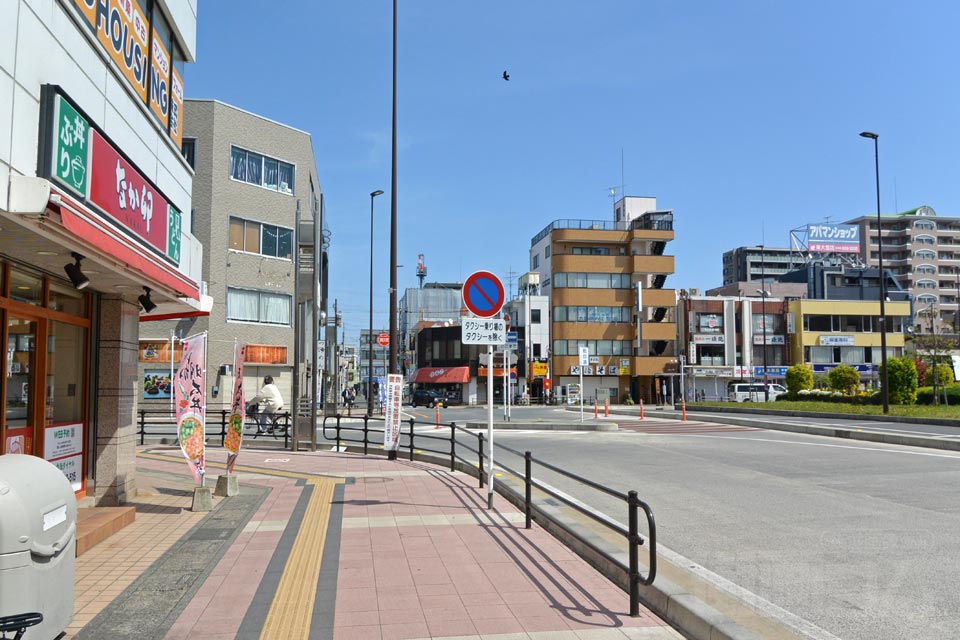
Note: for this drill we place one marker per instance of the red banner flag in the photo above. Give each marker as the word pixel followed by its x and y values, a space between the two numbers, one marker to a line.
pixel 234 436
pixel 191 403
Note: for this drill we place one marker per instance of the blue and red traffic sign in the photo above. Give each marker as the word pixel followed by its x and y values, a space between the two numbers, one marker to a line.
pixel 483 294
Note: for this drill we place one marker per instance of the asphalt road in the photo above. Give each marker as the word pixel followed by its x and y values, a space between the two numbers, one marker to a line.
pixel 862 540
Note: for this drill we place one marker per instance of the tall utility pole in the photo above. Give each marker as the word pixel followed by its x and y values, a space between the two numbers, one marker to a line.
pixel 393 214
pixel 884 391
pixel 763 312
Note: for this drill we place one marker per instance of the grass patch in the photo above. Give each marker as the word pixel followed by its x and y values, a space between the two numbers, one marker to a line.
pixel 899 410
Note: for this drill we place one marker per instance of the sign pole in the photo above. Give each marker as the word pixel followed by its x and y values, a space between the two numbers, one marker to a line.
pixel 490 427
pixel 581 393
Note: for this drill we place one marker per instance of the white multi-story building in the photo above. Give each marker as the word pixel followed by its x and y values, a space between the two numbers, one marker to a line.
pixel 95 208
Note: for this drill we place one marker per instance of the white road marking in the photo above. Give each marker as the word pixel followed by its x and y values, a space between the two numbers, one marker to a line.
pixel 766 607
pixel 835 446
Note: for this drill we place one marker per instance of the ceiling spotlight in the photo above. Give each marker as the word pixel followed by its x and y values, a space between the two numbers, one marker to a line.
pixel 145 301
pixel 76 276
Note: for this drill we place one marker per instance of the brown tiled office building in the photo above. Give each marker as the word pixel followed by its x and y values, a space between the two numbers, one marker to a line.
pixel 591 270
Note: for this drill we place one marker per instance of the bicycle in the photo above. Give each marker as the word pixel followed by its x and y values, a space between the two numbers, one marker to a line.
pixel 274 424
pixel 18 624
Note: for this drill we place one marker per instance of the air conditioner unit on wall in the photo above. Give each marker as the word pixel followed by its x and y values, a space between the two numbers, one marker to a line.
pixel 694 292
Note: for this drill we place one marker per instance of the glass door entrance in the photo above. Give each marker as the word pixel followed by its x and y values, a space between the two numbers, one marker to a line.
pixel 19 392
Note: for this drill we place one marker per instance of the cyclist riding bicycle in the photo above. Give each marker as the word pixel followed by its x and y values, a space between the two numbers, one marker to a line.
pixel 270 402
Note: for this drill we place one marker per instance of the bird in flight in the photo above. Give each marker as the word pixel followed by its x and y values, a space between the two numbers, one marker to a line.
pixel 506 76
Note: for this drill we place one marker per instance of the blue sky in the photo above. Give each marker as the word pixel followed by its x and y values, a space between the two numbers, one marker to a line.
pixel 742 117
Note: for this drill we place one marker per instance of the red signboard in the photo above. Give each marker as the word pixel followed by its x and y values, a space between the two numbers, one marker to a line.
pixel 383 339
pixel 120 191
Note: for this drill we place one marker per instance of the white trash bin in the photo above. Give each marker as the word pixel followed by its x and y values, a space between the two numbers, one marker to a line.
pixel 38 526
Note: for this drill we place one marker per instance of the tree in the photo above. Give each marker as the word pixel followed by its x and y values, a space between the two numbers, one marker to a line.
pixel 799 378
pixel 902 380
pixel 844 378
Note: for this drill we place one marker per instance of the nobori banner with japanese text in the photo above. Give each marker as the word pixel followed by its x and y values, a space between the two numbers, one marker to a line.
pixel 234 437
pixel 391 431
pixel 125 33
pixel 190 387
pixel 82 159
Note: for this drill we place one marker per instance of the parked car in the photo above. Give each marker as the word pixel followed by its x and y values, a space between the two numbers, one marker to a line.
pixel 427 398
pixel 747 392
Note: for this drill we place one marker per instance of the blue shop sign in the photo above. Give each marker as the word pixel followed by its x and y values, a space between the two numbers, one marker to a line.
pixel 775 372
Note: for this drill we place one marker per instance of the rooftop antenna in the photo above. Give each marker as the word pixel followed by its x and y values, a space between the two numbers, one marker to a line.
pixel 421 269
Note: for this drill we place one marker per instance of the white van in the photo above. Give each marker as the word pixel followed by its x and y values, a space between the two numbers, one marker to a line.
pixel 753 392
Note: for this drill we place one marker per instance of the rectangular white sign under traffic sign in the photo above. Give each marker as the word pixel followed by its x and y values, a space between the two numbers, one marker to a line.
pixel 483 331
pixel 584 356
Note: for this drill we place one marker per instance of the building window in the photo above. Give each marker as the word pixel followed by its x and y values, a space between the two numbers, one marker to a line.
pixel 592 280
pixel 260 307
pixel 264 171
pixel 926 254
pixel 546 251
pixel 536 260
pixel 592 314
pixel 591 251
pixel 189 151
pixel 261 239
pixel 534 316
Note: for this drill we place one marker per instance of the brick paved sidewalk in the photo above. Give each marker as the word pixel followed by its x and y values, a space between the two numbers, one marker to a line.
pixel 339 546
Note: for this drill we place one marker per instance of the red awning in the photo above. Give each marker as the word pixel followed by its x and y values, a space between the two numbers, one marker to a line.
pixel 442 374
pixel 95 231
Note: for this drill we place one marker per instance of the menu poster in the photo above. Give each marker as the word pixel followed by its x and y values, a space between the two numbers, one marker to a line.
pixel 191 403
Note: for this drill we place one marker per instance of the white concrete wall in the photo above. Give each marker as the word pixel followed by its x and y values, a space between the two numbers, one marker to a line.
pixel 45 42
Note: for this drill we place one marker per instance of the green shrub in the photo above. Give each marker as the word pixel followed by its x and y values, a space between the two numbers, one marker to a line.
pixel 799 377
pixel 844 378
pixel 925 395
pixel 628 400
pixel 902 380
pixel 944 375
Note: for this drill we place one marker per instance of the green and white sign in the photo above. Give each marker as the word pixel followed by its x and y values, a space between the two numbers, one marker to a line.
pixel 71 149
pixel 173 234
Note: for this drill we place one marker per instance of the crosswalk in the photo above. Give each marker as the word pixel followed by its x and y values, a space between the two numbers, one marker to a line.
pixel 678 427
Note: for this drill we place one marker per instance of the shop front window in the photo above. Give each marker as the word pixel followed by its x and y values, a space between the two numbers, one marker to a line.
pixel 65 380
pixel 25 287
pixel 21 360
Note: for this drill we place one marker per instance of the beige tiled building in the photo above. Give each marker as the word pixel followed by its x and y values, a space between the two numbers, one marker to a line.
pixel 252 176
pixel 592 271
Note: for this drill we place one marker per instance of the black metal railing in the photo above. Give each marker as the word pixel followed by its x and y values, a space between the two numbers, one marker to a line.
pixel 163 423
pixel 411 441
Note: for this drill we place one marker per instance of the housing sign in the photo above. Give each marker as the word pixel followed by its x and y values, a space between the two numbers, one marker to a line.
pixel 833 238
pixel 124 32
pixel 84 161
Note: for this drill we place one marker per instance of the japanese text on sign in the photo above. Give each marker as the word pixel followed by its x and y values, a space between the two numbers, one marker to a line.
pixel 483 331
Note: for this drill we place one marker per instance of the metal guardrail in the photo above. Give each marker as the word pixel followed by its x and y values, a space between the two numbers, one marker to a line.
pixel 153 422
pixel 414 442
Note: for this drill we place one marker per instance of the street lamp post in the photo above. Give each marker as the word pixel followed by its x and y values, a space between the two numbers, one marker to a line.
pixel 763 312
pixel 393 214
pixel 884 391
pixel 370 334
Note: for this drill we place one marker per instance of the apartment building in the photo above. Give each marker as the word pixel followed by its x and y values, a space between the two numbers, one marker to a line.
pixel 255 178
pixel 752 264
pixel 95 223
pixel 922 250
pixel 606 282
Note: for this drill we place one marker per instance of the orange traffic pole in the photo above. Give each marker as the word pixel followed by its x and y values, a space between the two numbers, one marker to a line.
pixel 683 405
pixel 641 408
pixel 606 408
pixel 437 406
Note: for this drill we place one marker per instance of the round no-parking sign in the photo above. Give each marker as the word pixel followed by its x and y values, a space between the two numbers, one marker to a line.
pixel 483 294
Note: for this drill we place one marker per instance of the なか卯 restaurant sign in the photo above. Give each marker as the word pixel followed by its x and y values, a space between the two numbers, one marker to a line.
pixel 81 158
pixel 125 33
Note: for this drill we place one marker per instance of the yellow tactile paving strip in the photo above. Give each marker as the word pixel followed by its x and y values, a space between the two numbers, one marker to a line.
pixel 292 610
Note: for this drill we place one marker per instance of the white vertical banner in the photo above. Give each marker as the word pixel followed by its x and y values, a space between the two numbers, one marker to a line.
pixel 639 296
pixel 391 430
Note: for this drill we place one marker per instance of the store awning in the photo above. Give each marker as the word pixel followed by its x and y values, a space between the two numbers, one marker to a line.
pixel 441 374
pixel 60 223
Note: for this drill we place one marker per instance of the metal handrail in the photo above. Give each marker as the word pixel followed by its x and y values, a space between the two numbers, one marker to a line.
pixel 630 533
pixel 167 418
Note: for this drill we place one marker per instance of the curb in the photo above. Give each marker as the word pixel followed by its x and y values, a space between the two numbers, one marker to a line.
pixel 684 611
pixel 547 426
